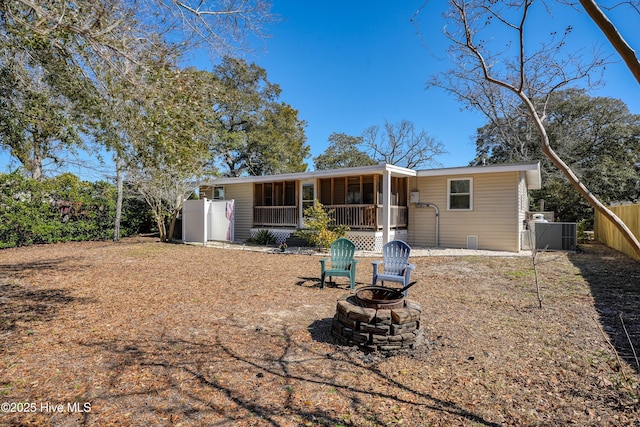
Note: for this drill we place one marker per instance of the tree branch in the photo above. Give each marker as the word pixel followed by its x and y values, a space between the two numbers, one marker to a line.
pixel 625 51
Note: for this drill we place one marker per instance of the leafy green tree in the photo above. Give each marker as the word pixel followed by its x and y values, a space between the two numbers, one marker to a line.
pixel 279 144
pixel 343 152
pixel 95 54
pixel 255 133
pixel 169 141
pixel 38 124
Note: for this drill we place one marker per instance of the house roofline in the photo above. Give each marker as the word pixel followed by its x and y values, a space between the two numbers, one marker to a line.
pixel 531 170
pixel 359 170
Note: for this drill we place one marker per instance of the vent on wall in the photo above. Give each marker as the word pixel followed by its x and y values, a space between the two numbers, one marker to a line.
pixel 472 242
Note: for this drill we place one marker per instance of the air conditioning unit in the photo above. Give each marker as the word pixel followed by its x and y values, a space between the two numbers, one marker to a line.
pixel 556 236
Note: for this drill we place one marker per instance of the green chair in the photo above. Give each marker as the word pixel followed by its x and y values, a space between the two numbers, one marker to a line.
pixel 341 262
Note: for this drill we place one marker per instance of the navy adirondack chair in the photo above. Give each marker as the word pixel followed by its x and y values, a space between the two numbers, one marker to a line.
pixel 396 266
pixel 341 262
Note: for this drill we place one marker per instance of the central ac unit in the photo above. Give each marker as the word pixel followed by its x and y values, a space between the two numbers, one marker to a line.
pixel 556 236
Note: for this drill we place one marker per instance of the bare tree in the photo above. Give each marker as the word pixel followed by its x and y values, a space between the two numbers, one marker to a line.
pixel 493 66
pixel 401 144
pixel 164 188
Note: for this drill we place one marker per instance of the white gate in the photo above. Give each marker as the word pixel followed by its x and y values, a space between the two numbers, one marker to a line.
pixel 204 220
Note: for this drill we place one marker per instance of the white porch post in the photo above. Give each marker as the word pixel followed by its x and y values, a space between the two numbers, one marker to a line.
pixel 386 206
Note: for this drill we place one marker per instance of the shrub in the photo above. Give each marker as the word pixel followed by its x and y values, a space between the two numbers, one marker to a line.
pixel 263 237
pixel 318 230
pixel 59 209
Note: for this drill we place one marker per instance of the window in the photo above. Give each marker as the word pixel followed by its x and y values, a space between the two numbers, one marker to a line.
pixel 350 190
pixel 307 196
pixel 460 194
pixel 218 193
pixel 353 190
pixel 281 193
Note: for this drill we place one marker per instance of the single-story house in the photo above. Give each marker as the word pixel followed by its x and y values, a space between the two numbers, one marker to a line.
pixel 476 207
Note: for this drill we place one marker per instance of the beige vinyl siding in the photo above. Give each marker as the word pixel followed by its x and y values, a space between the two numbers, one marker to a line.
pixel 242 194
pixel 206 191
pixel 493 219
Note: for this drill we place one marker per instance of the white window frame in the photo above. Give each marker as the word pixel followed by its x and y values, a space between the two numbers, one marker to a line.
pixel 470 194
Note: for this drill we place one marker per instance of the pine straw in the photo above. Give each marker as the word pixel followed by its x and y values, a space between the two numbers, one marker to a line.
pixel 158 334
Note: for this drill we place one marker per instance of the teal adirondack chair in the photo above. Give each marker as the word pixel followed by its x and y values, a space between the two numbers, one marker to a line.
pixel 396 264
pixel 341 262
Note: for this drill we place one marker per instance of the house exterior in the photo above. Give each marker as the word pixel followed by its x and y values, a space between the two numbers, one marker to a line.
pixel 479 207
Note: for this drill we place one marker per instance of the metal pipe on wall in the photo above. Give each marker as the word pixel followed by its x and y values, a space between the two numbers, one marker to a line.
pixel 431 205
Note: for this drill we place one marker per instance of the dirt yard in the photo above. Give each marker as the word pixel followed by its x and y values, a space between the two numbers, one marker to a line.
pixel 141 333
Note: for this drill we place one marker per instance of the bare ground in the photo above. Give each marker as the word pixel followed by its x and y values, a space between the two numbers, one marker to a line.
pixel 141 333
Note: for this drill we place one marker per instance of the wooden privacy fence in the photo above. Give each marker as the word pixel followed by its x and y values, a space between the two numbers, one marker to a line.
pixel 606 233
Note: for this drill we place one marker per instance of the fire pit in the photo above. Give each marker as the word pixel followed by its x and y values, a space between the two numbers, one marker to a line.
pixel 378 319
pixel 379 297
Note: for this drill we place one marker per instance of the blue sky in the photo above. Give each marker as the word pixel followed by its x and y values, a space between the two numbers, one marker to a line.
pixel 348 65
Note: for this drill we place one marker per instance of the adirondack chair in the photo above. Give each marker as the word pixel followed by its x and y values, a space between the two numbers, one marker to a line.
pixel 341 262
pixel 396 266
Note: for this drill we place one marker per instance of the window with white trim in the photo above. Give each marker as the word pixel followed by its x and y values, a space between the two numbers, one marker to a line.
pixel 460 194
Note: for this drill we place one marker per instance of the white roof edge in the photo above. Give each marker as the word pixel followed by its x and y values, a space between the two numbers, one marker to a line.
pixel 531 170
pixel 359 170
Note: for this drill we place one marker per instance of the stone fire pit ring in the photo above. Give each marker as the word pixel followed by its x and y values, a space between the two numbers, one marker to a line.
pixel 377 329
pixel 379 297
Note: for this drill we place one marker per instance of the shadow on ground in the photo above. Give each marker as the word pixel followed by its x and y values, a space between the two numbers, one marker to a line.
pixel 614 279
pixel 224 382
pixel 22 270
pixel 21 305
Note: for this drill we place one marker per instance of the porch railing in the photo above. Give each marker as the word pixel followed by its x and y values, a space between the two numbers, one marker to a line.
pixel 356 217
pixel 275 216
pixel 367 217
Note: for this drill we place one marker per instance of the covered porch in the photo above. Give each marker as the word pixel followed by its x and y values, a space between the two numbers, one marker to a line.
pixel 368 199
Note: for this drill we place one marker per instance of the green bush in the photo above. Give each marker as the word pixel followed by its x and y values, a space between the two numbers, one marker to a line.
pixel 263 237
pixel 59 209
pixel 318 230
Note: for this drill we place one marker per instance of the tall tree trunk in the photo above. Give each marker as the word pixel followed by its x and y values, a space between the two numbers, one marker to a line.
pixel 33 161
pixel 172 227
pixel 120 187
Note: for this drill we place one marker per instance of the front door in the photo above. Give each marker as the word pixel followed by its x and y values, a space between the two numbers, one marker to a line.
pixel 307 196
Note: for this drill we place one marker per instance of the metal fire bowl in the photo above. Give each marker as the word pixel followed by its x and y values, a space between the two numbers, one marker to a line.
pixel 379 297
